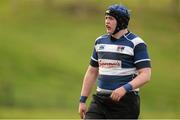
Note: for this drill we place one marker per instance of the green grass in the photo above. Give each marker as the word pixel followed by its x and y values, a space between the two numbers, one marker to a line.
pixel 44 56
pixel 16 113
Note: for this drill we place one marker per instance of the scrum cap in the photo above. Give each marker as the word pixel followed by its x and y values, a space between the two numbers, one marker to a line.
pixel 121 14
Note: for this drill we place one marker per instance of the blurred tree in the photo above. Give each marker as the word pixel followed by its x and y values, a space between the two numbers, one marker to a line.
pixel 49 3
pixel 6 93
pixel 175 6
pixel 14 4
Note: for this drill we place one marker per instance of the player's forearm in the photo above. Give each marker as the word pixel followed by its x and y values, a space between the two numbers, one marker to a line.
pixel 143 77
pixel 89 80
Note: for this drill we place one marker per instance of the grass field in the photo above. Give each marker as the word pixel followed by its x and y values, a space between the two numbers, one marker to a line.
pixel 44 56
pixel 69 114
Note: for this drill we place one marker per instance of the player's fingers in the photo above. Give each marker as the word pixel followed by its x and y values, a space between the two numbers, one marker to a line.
pixel 119 98
pixel 81 114
pixel 114 96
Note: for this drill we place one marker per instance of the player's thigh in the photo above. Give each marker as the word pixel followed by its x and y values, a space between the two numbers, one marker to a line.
pixel 95 111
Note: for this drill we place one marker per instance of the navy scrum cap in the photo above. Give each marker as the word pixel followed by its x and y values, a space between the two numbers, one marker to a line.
pixel 121 14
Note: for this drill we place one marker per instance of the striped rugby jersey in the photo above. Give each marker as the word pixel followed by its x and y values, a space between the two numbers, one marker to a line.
pixel 118 60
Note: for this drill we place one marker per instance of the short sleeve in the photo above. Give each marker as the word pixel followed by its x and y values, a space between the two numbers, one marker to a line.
pixel 94 58
pixel 141 57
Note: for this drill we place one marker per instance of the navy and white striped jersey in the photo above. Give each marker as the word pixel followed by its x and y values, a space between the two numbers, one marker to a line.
pixel 118 60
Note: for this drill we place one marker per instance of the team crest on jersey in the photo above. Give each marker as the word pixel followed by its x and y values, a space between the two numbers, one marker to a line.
pixel 120 48
pixel 101 47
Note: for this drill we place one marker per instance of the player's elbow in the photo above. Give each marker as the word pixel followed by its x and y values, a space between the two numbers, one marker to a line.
pixel 147 73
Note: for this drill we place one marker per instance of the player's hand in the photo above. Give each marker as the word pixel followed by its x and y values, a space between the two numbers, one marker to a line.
pixel 82 110
pixel 118 93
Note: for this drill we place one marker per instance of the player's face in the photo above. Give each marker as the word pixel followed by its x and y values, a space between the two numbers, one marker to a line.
pixel 110 24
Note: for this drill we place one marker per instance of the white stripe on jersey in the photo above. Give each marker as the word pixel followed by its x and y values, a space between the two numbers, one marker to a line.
pixel 113 67
pixel 142 60
pixel 105 91
pixel 137 41
pixel 94 59
pixel 114 48
pixel 117 71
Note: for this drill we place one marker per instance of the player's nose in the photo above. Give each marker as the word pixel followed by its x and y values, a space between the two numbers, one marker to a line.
pixel 107 21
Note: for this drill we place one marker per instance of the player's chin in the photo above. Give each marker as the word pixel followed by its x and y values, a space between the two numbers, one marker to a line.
pixel 109 31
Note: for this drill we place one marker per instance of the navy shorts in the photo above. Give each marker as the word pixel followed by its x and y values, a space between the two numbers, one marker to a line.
pixel 103 107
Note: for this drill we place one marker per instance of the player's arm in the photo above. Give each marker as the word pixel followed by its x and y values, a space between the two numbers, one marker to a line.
pixel 88 82
pixel 142 78
pixel 143 65
pixel 90 76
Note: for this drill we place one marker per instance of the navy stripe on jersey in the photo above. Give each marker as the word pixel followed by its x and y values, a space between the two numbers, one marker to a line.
pixel 141 58
pixel 94 63
pixel 114 56
pixel 143 64
pixel 113 82
pixel 109 78
pixel 130 36
pixel 109 86
pixel 94 59
pixel 94 55
pixel 140 52
pixel 127 64
pixel 123 41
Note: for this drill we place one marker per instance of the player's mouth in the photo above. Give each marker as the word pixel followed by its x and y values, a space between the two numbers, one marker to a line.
pixel 108 27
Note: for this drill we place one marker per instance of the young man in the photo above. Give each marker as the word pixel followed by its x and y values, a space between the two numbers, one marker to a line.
pixel 121 63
